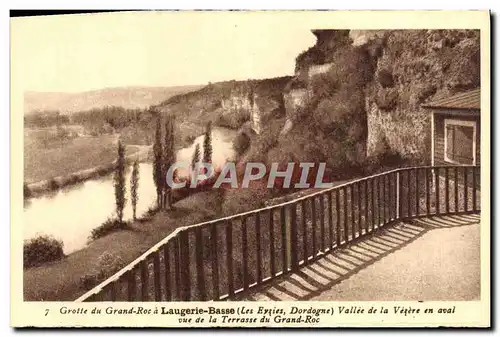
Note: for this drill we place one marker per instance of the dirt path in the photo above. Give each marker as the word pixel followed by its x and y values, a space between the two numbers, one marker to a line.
pixel 432 259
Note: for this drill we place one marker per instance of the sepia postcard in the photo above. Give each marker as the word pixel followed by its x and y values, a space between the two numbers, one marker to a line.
pixel 251 169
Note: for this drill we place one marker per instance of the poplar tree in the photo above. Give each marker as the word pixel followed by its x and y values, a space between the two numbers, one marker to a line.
pixel 134 187
pixel 207 144
pixel 157 161
pixel 196 157
pixel 119 182
pixel 168 156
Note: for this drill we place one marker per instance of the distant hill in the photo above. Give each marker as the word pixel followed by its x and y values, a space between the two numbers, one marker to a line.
pixel 127 97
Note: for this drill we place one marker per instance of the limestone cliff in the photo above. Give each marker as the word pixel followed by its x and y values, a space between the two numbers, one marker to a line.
pixel 230 104
pixel 408 67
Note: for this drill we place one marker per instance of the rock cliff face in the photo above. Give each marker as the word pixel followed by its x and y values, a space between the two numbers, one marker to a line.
pixel 408 68
pixel 230 104
pixel 415 66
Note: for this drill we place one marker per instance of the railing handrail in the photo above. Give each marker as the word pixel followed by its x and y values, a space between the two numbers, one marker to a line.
pixel 164 241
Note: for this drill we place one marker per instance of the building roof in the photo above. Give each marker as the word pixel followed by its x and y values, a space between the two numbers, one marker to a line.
pixel 464 100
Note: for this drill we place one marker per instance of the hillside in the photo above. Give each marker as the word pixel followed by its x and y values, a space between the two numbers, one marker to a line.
pixel 231 104
pixel 126 97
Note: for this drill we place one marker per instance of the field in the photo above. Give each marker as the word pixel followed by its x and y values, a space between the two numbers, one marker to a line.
pixel 47 155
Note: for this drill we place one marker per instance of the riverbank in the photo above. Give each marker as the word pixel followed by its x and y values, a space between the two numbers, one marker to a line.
pixel 134 153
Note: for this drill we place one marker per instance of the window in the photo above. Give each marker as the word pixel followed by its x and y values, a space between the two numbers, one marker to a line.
pixel 460 142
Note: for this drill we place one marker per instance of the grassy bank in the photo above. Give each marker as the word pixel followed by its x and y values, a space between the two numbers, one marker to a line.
pixel 62 280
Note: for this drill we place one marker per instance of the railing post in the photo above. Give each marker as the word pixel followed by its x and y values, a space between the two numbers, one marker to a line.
pixel 184 266
pixel 166 261
pixel 330 217
pixel 417 193
pixel 284 241
pixel 258 248
pixel 113 286
pixel 293 234
pixel 427 192
pixel 157 276
pixel 229 258
pixel 271 243
pixel 200 271
pixel 346 230
pixel 365 223
pixel 474 191
pixel 408 193
pixel 215 261
pixel 456 189
pixel 337 223
pixel 372 199
pixel 313 227
pixel 244 247
pixel 466 191
pixel 144 280
pixel 437 186
pixel 446 190
pixel 131 285
pixel 353 221
pixel 322 222
pixel 303 205
pixel 177 259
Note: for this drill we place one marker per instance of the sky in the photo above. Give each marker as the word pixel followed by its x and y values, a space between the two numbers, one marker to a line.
pixel 73 53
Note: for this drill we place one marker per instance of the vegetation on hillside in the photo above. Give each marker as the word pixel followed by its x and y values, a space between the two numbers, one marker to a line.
pixel 119 182
pixel 42 249
pixel 134 189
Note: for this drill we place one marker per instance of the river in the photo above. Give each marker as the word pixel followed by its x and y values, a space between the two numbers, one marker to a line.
pixel 71 213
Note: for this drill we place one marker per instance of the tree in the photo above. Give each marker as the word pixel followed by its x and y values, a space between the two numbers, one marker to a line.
pixel 119 182
pixel 134 187
pixel 157 161
pixel 196 156
pixel 207 144
pixel 168 156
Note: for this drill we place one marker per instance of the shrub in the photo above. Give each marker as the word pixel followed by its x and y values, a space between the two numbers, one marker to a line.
pixel 89 281
pixel 241 143
pixel 107 265
pixel 53 184
pixel 110 225
pixel 42 249
pixel 387 99
pixel 26 191
pixel 73 179
pixel 385 78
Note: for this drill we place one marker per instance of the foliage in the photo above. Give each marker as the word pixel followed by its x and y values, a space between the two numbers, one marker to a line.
pixel 134 187
pixel 241 143
pixel 168 152
pixel 108 264
pixel 119 182
pixel 26 191
pixel 108 226
pixel 207 144
pixel 385 78
pixel 116 117
pixel 42 249
pixel 53 184
pixel 42 119
pixel 157 160
pixel 196 156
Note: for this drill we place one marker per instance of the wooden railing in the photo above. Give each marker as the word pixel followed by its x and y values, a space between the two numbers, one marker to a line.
pixel 219 259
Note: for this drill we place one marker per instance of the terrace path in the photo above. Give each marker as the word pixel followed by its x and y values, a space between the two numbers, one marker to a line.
pixel 436 258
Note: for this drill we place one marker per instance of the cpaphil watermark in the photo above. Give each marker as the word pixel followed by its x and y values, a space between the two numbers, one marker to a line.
pixel 202 172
